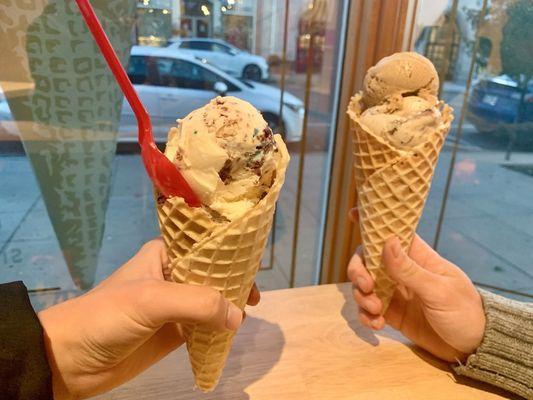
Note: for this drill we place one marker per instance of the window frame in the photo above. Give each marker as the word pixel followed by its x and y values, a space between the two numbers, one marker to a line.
pixel 380 28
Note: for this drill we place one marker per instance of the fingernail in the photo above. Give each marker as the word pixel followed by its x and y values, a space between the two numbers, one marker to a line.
pixel 234 317
pixel 375 324
pixel 396 248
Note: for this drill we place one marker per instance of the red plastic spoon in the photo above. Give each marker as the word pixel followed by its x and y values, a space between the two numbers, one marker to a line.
pixel 165 176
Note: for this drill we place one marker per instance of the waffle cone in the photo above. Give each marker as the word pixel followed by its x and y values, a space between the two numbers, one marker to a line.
pixel 224 256
pixel 392 187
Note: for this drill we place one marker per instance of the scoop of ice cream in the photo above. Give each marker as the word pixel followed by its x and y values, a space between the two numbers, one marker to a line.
pixel 404 122
pixel 399 100
pixel 225 150
pixel 401 73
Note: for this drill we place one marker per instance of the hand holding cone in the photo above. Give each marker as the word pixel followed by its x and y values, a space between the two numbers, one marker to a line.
pixel 393 179
pixel 223 255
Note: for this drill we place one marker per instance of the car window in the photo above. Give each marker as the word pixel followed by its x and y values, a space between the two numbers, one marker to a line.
pixel 137 70
pixel 220 48
pixel 164 71
pixel 192 76
pixel 143 70
pixel 188 75
pixel 200 45
pixel 185 45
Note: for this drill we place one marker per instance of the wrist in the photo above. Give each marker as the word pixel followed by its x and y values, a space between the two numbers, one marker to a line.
pixel 52 348
pixel 474 335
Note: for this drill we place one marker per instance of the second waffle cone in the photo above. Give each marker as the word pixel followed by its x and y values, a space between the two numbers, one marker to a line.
pixel 392 187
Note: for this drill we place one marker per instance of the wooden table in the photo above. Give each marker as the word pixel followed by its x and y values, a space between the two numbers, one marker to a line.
pixel 306 343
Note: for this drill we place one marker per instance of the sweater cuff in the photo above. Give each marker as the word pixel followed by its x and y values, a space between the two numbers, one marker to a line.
pixel 505 356
pixel 24 370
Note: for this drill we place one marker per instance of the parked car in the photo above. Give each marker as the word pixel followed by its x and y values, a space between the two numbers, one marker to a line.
pixel 171 84
pixel 496 101
pixel 225 56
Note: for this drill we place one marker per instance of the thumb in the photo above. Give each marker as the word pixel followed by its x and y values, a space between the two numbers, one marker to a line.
pixel 406 271
pixel 160 302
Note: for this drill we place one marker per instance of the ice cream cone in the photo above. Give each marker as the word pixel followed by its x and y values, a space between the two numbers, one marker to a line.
pixel 222 255
pixel 392 187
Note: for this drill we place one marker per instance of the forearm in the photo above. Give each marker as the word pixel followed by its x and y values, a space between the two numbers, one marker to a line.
pixel 505 356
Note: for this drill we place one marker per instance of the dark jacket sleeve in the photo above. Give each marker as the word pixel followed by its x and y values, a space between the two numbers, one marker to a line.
pixel 24 370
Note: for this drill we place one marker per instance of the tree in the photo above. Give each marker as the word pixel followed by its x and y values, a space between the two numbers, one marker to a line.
pixel 516 53
pixel 517 42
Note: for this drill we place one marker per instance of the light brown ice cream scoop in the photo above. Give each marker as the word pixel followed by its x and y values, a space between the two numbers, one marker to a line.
pixel 404 123
pixel 400 73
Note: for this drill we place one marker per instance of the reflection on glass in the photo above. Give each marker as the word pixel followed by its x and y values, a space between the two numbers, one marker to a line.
pixel 68 122
pixel 172 83
pixel 154 24
pixel 59 98
pixel 482 50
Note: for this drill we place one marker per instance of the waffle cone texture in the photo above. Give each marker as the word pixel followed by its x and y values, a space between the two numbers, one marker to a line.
pixel 222 255
pixel 392 186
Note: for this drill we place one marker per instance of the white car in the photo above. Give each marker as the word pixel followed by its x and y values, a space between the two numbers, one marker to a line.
pixel 171 84
pixel 228 58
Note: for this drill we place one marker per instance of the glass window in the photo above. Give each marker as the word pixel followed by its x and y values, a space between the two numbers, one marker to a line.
pixel 220 48
pixel 162 72
pixel 137 70
pixel 479 213
pixel 152 71
pixel 76 202
pixel 192 76
pixel 164 65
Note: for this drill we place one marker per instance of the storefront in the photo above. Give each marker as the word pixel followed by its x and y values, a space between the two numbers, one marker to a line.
pixel 154 22
pixel 196 18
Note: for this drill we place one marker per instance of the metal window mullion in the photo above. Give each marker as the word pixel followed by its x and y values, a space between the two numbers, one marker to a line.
pixel 459 127
pixel 280 123
pixel 301 161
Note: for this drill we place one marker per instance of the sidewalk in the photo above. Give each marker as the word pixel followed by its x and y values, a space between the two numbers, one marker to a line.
pixel 487 230
pixel 30 252
pixel 488 224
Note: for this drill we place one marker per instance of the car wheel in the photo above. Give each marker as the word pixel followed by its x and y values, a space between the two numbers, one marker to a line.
pixel 252 72
pixel 275 124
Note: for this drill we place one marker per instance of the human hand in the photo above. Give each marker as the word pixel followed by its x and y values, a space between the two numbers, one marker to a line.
pixel 128 322
pixel 435 304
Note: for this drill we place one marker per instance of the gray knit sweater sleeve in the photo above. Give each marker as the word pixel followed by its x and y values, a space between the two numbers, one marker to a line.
pixel 505 356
